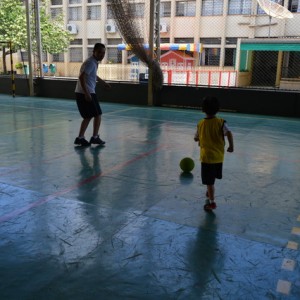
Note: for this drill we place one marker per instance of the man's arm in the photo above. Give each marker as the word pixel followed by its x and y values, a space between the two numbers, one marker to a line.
pixel 104 83
pixel 84 87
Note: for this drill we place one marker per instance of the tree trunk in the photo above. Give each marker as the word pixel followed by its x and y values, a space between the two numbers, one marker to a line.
pixel 4 60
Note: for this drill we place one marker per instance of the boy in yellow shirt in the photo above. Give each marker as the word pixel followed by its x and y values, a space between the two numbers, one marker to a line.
pixel 210 136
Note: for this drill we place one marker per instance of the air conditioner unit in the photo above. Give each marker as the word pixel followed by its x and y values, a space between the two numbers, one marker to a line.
pixel 72 28
pixel 110 28
pixel 163 27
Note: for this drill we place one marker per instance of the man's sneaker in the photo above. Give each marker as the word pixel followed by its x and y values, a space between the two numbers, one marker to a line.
pixel 96 140
pixel 209 206
pixel 81 142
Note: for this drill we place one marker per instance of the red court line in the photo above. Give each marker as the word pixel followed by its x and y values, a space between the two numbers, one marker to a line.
pixel 30 165
pixel 41 201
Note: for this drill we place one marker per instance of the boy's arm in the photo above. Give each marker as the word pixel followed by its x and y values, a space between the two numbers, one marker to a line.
pixel 196 136
pixel 230 141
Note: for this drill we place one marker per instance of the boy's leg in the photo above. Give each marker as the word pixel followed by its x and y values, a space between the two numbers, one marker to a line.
pixel 211 192
pixel 208 178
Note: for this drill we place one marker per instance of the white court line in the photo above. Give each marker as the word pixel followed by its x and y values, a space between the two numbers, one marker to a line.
pixel 288 264
pixel 292 245
pixel 157 120
pixel 296 230
pixel 62 111
pixel 283 287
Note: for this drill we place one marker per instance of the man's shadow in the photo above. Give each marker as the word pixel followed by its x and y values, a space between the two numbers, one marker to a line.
pixel 89 173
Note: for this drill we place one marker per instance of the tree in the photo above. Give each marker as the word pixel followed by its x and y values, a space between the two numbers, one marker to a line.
pixel 55 39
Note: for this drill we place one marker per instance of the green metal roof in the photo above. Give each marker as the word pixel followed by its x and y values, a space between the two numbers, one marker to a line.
pixel 271 44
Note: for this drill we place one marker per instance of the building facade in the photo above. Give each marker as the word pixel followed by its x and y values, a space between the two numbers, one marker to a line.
pixel 216 24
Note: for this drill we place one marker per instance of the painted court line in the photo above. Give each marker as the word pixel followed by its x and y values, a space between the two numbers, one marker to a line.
pixel 27 166
pixel 33 127
pixel 41 201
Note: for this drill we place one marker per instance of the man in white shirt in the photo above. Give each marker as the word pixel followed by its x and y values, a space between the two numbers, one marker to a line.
pixel 86 98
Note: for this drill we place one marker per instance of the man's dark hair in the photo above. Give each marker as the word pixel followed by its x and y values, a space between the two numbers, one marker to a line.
pixel 98 46
pixel 210 105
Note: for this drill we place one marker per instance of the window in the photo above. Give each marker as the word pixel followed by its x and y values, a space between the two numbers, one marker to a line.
pixel 93 41
pixel 212 7
pixel 211 41
pixel 94 12
pixel 114 55
pixel 165 40
pixel 294 5
pixel 184 40
pixel 109 12
pixel 165 9
pixel 260 11
pixel 291 65
pixel 74 1
pixel 231 41
pixel 75 54
pixel 58 57
pixel 137 9
pixel 114 41
pixel 75 13
pixel 94 1
pixel 56 2
pixel 90 51
pixel 76 42
pixel 239 7
pixel 229 57
pixel 24 55
pixel 55 12
pixel 210 57
pixel 185 8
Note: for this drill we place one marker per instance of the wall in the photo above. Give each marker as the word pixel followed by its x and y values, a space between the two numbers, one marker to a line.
pixel 266 102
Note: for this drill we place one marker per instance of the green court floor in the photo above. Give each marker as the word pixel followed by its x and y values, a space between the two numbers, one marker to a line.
pixel 123 222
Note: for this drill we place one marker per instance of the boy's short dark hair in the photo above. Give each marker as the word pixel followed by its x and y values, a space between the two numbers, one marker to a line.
pixel 210 105
pixel 98 46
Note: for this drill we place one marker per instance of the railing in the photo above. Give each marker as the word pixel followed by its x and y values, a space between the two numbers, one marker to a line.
pixel 207 78
pixel 172 76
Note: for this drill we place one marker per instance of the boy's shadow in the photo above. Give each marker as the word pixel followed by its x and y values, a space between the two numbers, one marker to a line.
pixel 205 256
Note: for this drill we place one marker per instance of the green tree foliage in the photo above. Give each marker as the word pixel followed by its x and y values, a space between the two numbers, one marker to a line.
pixel 55 39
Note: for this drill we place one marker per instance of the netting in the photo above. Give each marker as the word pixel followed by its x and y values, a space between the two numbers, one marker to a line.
pixel 225 43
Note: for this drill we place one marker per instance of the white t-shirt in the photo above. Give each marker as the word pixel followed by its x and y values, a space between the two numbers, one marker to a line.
pixel 89 67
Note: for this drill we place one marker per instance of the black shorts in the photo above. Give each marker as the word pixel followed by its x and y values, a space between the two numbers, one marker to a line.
pixel 88 109
pixel 209 173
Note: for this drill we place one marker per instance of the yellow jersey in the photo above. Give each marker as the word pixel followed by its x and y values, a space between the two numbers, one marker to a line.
pixel 211 140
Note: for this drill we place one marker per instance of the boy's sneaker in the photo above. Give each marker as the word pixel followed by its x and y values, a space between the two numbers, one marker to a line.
pixel 209 206
pixel 96 140
pixel 81 142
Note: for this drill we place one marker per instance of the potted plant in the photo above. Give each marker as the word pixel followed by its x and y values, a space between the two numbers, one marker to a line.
pixel 19 67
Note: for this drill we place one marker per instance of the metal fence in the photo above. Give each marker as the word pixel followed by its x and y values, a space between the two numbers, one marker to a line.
pixel 226 43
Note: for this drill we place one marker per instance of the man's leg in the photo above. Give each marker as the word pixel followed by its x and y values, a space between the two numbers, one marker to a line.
pixel 84 125
pixel 97 123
